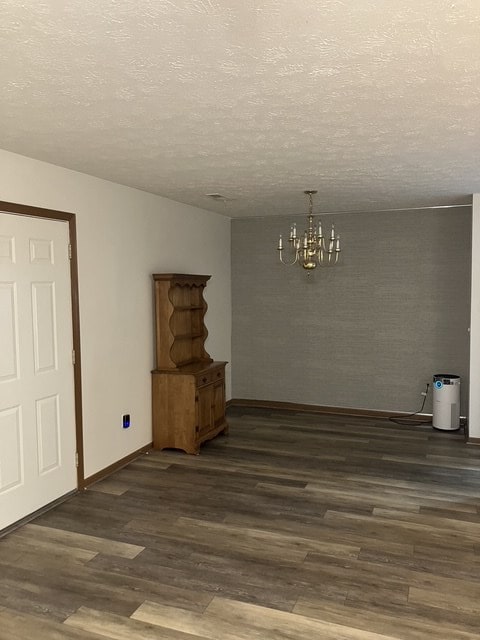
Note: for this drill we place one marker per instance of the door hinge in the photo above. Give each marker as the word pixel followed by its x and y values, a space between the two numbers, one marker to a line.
pixel 76 459
pixel 73 356
pixel 69 251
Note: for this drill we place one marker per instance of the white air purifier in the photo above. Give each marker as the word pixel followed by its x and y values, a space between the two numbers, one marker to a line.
pixel 446 402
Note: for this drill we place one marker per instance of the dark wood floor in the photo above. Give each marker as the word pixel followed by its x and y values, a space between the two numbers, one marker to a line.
pixel 294 527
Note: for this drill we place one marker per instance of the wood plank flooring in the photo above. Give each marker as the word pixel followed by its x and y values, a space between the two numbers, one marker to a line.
pixel 294 526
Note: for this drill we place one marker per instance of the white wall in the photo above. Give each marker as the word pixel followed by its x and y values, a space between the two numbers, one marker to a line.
pixel 474 411
pixel 125 235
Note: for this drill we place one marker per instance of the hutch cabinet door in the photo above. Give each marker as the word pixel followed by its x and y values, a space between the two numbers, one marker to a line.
pixel 218 407
pixel 204 414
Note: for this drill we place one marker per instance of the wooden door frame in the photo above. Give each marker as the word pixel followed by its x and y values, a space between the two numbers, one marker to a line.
pixel 50 214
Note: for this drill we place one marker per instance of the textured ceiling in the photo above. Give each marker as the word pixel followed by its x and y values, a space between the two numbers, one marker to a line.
pixel 374 103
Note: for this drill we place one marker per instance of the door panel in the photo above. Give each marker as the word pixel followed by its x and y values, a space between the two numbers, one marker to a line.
pixel 37 401
pixel 48 434
pixel 11 451
pixel 44 330
pixel 8 332
pixel 219 403
pixel 204 408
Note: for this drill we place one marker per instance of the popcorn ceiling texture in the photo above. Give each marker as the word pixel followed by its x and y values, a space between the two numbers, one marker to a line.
pixel 375 104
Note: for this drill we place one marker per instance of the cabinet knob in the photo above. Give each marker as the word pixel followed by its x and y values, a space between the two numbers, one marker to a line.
pixel 204 380
pixel 219 374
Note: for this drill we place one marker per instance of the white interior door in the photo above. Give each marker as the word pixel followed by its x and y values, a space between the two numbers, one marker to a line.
pixel 37 402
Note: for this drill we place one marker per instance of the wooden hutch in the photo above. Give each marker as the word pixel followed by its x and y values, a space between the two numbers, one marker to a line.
pixel 188 388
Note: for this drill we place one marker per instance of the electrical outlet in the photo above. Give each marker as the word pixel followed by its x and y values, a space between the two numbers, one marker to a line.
pixel 126 420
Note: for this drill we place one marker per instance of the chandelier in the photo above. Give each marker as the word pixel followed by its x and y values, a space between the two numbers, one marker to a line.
pixel 310 250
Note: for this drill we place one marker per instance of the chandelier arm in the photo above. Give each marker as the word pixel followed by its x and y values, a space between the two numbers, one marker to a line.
pixel 288 264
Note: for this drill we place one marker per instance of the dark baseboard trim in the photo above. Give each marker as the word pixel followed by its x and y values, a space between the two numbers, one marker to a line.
pixel 473 441
pixel 38 512
pixel 314 408
pixel 115 466
pixel 88 481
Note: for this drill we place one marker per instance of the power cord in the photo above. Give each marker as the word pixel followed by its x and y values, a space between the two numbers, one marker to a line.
pixel 406 420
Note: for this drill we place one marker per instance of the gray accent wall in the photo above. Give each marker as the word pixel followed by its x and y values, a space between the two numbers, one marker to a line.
pixel 368 333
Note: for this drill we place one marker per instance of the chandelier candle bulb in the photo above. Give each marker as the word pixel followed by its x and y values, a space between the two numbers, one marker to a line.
pixel 280 243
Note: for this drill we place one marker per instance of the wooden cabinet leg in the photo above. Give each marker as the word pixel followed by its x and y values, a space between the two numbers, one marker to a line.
pixel 194 450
